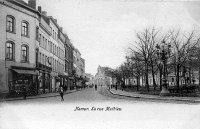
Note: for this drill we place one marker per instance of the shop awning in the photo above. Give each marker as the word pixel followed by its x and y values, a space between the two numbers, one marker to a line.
pixel 21 71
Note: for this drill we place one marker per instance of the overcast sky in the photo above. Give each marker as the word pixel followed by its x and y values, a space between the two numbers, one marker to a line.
pixel 103 29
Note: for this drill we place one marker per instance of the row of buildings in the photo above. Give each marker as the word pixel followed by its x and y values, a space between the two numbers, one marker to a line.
pixel 35 51
pixel 102 79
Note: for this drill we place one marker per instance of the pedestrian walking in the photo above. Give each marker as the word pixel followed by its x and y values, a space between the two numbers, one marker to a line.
pixel 24 91
pixel 95 87
pixel 61 91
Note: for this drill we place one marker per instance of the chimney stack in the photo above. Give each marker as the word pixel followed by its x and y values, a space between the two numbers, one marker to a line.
pixel 61 29
pixel 40 9
pixel 55 20
pixel 44 13
pixel 32 4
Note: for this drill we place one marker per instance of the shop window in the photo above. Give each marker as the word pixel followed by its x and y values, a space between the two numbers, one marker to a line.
pixel 10 23
pixel 10 50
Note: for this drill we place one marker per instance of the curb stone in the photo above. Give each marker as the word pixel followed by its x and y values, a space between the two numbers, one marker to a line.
pixel 150 98
pixel 37 97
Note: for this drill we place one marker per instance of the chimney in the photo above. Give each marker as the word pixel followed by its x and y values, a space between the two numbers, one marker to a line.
pixel 44 13
pixel 40 9
pixel 32 4
pixel 55 20
pixel 61 29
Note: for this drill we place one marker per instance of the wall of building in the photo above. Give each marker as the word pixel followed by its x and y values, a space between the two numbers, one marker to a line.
pixel 20 14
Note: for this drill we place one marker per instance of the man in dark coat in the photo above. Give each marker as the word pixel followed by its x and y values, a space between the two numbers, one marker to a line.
pixel 61 91
pixel 24 91
pixel 95 87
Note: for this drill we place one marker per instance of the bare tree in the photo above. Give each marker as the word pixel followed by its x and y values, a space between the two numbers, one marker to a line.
pixel 136 68
pixel 182 45
pixel 145 49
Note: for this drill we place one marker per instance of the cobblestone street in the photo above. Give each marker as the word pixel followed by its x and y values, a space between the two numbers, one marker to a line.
pixel 86 109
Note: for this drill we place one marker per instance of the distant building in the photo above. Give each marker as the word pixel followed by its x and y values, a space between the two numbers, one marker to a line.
pixel 79 63
pixel 82 67
pixel 101 79
pixel 91 80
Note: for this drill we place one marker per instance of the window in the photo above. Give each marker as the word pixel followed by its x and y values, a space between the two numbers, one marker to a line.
pixel 37 34
pixel 24 51
pixel 40 39
pixel 24 28
pixel 10 50
pixel 43 59
pixel 55 35
pixel 10 23
pixel 50 46
pixel 43 42
pixel 40 58
pixel 54 49
pixel 57 65
pixel 53 64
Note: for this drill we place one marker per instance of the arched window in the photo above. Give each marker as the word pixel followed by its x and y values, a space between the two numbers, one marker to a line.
pixel 10 23
pixel 24 52
pixel 25 28
pixel 10 50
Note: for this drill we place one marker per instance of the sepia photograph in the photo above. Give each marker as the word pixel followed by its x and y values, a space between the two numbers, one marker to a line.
pixel 99 64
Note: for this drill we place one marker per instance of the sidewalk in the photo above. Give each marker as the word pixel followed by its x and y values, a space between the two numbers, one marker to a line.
pixel 154 97
pixel 38 96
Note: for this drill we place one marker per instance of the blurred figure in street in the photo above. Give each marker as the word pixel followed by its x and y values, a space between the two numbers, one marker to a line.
pixel 24 91
pixel 95 87
pixel 61 91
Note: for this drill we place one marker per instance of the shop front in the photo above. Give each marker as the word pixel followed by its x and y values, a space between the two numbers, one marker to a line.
pixel 63 81
pixel 44 82
pixel 44 79
pixel 20 78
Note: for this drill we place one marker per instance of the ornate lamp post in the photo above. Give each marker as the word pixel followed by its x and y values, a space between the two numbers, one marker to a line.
pixel 163 52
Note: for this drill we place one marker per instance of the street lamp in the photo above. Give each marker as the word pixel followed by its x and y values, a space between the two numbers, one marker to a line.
pixel 163 52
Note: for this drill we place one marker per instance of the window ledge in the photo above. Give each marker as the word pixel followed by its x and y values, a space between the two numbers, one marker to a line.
pixel 11 31
pixel 27 36
pixel 10 59
pixel 24 61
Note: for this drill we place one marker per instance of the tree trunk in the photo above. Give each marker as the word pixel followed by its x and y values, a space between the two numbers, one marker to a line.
pixel 177 77
pixel 154 81
pixel 153 75
pixel 199 75
pixel 160 78
pixel 147 78
pixel 138 82
pixel 190 78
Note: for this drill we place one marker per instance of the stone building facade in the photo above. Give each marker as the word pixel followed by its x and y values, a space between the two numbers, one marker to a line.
pixel 101 79
pixel 18 23
pixel 35 51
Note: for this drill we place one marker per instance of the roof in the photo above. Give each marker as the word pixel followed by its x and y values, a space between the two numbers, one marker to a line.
pixel 24 5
